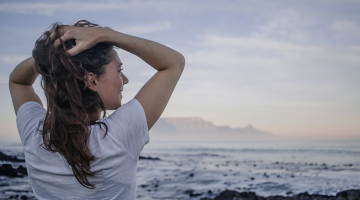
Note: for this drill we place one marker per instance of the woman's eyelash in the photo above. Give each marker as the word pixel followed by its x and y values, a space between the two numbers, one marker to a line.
pixel 121 69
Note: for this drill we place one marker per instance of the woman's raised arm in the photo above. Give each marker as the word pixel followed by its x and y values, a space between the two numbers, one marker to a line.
pixel 20 84
pixel 155 94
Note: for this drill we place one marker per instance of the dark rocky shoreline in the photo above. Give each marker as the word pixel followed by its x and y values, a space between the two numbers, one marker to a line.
pixel 233 195
pixel 11 172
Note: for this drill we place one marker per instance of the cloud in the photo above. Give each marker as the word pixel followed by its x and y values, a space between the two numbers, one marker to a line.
pixel 344 26
pixel 289 24
pixel 350 59
pixel 78 6
pixel 255 43
pixel 13 59
pixel 311 104
pixel 240 53
pixel 50 8
pixel 264 71
pixel 170 7
pixel 4 80
pixel 146 28
pixel 345 29
pixel 227 51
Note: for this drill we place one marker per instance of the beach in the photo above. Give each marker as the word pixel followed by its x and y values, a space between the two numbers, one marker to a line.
pixel 195 170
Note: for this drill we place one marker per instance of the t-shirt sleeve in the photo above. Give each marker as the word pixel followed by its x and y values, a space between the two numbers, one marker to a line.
pixel 128 125
pixel 29 119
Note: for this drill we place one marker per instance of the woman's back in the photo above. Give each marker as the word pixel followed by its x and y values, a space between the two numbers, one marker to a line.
pixel 115 161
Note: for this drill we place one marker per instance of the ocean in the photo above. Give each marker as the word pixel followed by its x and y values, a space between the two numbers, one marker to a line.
pixel 193 170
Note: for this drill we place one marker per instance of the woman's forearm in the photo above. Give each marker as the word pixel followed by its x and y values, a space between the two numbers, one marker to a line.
pixel 24 73
pixel 157 55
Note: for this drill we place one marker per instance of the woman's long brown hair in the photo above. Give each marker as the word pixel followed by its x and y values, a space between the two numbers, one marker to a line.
pixel 71 106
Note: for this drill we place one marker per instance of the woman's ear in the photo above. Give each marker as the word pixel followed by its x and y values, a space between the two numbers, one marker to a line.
pixel 91 81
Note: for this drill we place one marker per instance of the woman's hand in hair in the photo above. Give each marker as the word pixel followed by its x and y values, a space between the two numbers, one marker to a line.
pixel 85 37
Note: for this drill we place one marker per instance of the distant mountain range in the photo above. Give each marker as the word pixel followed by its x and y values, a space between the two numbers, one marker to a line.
pixel 197 125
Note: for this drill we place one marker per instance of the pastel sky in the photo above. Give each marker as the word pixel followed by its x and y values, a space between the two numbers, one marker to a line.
pixel 288 67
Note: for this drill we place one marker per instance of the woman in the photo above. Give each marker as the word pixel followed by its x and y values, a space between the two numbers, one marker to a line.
pixel 70 151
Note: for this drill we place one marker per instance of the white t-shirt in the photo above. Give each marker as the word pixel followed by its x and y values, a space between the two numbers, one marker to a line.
pixel 116 155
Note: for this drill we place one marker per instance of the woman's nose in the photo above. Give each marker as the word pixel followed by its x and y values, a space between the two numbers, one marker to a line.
pixel 125 79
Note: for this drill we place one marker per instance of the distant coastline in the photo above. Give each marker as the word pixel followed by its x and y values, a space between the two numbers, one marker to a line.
pixel 199 128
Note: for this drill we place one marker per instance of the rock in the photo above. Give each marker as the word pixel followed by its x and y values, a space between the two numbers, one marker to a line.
pixel 195 194
pixel 4 184
pixel 4 157
pixel 148 158
pixel 349 195
pixel 8 170
pixel 192 193
pixel 233 195
pixel 24 197
pixel 22 170
pixel 143 185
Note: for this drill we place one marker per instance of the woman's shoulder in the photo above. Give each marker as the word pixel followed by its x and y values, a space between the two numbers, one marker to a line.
pixel 30 109
pixel 127 128
pixel 130 109
pixel 30 117
pixel 30 105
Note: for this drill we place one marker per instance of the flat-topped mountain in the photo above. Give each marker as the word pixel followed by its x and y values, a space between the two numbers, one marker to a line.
pixel 188 125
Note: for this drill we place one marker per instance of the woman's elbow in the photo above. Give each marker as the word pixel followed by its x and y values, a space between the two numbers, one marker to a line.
pixel 181 61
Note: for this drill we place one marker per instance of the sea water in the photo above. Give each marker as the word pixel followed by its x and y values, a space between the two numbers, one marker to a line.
pixel 192 170
pixel 265 167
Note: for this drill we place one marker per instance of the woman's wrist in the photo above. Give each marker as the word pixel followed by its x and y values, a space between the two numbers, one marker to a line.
pixel 107 35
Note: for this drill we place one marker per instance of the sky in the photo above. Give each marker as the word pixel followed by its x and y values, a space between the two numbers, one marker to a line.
pixel 288 67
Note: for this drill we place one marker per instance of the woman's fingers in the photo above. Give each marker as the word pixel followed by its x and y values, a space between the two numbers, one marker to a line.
pixel 63 38
pixel 73 51
pixel 52 34
pixel 85 38
pixel 60 33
